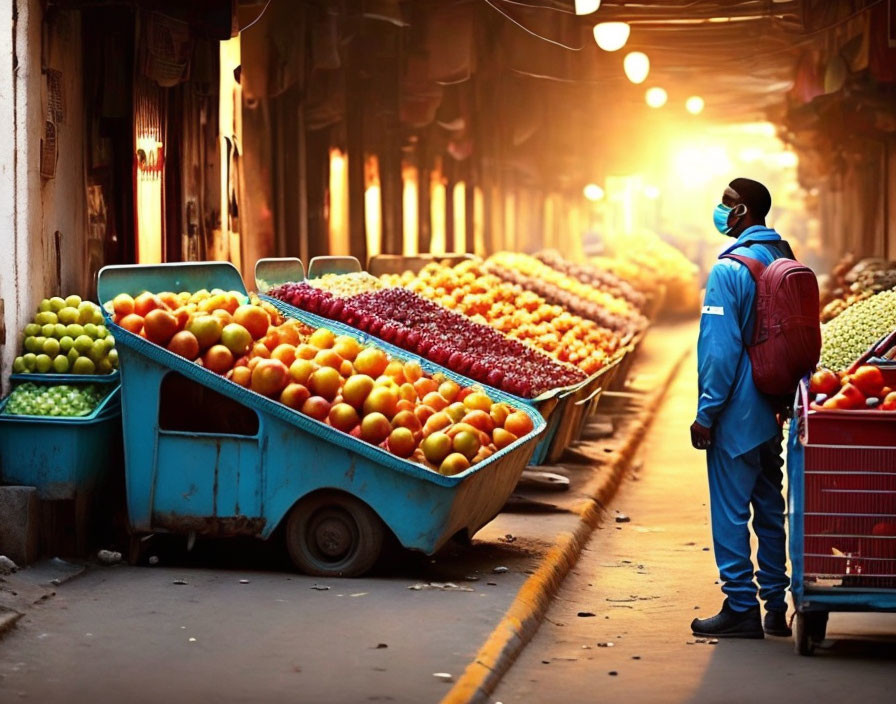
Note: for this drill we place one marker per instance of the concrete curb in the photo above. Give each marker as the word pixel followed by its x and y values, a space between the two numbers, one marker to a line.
pixel 522 619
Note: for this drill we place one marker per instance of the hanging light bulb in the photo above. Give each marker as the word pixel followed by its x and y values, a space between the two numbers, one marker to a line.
pixel 593 192
pixel 637 66
pixel 611 36
pixel 694 105
pixel 656 97
pixel 586 7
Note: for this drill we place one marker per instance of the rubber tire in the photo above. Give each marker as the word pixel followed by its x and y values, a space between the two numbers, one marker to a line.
pixel 808 631
pixel 360 525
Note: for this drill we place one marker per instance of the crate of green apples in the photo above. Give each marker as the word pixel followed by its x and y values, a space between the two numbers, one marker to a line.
pixel 55 400
pixel 67 339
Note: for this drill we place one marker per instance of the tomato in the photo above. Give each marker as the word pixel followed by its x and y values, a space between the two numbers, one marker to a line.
pixel 868 379
pixel 824 381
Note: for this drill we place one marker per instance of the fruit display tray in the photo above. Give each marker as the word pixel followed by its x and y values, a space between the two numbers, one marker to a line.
pixel 555 405
pixel 273 271
pixel 399 263
pixel 869 428
pixel 61 456
pixel 230 484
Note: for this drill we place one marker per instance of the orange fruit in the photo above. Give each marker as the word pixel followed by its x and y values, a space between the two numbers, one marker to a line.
pixel 269 377
pixel 254 319
pixel 123 304
pixel 401 442
pixel 322 338
pixel 185 344
pixel 146 302
pixel 160 326
pixel 285 353
pixel 294 395
pixel 325 382
pixel 328 358
pixel 518 423
pixel 132 323
pixel 218 359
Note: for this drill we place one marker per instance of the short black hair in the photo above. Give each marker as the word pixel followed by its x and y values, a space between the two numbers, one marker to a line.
pixel 754 195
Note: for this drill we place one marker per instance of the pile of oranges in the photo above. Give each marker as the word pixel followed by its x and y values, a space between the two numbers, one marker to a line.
pixel 521 314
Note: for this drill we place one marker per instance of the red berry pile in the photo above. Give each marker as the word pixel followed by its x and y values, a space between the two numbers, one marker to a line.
pixel 406 320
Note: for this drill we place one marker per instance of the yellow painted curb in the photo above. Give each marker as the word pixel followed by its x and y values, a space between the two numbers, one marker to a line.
pixel 525 614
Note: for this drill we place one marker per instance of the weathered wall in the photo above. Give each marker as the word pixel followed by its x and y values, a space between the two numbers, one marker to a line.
pixel 33 209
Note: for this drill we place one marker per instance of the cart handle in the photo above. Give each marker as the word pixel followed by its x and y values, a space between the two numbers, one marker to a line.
pixel 590 396
pixel 802 409
pixel 884 343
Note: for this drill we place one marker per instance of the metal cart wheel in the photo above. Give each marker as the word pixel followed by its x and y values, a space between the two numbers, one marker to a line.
pixel 333 535
pixel 809 630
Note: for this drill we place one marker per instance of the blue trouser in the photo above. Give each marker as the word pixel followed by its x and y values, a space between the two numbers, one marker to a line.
pixel 736 483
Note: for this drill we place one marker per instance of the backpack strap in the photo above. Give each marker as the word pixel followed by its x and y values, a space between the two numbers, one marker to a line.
pixel 755 266
pixel 783 247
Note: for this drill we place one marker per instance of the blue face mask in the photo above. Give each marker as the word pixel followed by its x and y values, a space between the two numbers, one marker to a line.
pixel 720 218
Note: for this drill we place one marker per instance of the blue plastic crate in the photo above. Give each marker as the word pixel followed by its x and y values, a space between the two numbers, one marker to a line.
pixel 112 378
pixel 61 456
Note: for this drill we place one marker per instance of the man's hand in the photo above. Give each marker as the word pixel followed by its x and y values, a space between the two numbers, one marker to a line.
pixel 701 437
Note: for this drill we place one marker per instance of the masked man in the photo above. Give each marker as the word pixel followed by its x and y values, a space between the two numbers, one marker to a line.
pixel 738 427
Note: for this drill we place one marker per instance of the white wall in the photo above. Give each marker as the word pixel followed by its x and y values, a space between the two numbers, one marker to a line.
pixel 32 209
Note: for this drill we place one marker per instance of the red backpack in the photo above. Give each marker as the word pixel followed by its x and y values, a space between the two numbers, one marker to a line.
pixel 786 340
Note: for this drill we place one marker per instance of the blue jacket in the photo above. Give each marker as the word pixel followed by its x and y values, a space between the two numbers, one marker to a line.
pixel 741 417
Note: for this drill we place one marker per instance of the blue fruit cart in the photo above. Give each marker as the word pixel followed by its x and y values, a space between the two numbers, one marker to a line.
pixel 204 455
pixel 841 469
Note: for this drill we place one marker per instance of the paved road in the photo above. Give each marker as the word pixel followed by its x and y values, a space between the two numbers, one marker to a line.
pixel 132 634
pixel 645 580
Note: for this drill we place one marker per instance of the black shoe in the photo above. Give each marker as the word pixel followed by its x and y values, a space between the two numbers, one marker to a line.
pixel 729 623
pixel 775 624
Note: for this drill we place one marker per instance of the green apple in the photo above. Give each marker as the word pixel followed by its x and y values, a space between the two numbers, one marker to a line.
pixel 104 366
pixel 57 304
pixel 90 330
pixel 46 317
pixel 43 363
pixel 113 358
pixel 61 364
pixel 74 330
pixel 97 350
pixel 18 366
pixel 68 315
pixel 31 344
pixel 30 361
pixel 83 343
pixel 101 332
pixel 98 317
pixel 73 301
pixel 85 312
pixel 65 344
pixel 51 347
pixel 48 330
pixel 72 355
pixel 44 306
pixel 83 365
pixel 59 331
pixel 32 330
